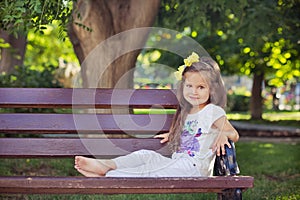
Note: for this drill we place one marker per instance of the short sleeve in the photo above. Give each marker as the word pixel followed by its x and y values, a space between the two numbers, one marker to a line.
pixel 209 115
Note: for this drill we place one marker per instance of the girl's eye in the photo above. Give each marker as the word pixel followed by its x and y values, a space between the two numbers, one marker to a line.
pixel 188 86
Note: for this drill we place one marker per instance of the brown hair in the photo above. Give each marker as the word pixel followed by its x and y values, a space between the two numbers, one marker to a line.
pixel 211 73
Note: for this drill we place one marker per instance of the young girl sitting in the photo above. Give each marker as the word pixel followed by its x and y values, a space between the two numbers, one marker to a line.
pixel 199 131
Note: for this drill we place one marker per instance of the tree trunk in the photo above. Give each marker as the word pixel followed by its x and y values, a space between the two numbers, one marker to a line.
pixel 13 55
pixel 256 101
pixel 103 60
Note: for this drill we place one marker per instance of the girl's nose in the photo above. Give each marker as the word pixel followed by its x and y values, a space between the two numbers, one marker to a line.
pixel 194 90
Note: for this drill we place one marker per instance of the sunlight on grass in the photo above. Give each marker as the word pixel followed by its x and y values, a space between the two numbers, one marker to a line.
pixel 270 116
pixel 275 116
pixel 154 111
pixel 238 116
pixel 268 148
pixel 267 145
pixel 279 118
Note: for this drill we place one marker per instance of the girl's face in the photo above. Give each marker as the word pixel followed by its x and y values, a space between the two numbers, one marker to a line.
pixel 195 90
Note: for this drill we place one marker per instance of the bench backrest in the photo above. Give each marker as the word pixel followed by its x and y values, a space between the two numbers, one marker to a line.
pixel 62 122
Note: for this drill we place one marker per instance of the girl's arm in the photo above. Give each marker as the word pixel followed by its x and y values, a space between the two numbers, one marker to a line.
pixel 227 131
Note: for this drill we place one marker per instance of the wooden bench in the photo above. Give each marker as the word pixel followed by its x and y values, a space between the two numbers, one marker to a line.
pixel 88 133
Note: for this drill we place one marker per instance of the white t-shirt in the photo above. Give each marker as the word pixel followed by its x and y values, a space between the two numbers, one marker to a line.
pixel 198 136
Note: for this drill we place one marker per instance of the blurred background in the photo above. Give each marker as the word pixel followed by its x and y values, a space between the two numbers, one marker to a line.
pixel 256 44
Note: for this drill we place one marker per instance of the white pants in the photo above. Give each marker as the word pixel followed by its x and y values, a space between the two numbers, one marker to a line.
pixel 147 163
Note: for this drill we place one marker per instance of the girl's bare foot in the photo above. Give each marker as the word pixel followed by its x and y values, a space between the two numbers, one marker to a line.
pixel 91 165
pixel 86 173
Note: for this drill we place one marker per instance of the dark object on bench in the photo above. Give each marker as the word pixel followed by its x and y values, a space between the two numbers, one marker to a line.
pixel 226 165
pixel 69 134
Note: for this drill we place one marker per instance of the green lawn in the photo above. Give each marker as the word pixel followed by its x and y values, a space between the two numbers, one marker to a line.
pixel 275 167
pixel 280 118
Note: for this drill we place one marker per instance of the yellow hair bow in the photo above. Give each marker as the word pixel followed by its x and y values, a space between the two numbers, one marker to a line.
pixel 193 58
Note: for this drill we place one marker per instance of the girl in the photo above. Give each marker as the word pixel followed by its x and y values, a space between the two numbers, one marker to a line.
pixel 199 131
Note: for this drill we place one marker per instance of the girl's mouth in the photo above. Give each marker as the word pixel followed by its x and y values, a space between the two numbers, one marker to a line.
pixel 193 97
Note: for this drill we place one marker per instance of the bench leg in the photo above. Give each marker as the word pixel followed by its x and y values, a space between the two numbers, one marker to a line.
pixel 234 194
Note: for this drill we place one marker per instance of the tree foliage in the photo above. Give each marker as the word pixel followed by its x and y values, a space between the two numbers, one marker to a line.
pixel 32 78
pixel 41 67
pixel 255 38
pixel 19 16
pixel 245 37
pixel 46 48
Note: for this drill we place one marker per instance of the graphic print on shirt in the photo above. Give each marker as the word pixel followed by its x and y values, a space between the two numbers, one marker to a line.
pixel 189 141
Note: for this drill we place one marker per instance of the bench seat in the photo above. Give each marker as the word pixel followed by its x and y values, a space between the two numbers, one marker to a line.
pixel 109 185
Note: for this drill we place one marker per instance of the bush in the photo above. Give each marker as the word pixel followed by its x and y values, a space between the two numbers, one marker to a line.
pixel 236 102
pixel 25 77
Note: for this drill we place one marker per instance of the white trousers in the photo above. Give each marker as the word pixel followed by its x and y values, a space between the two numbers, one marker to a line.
pixel 147 163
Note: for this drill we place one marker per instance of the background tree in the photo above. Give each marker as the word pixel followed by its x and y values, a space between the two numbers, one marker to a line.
pixel 17 17
pixel 48 62
pixel 105 19
pixel 246 37
pixel 268 46
pixel 92 23
pixel 12 51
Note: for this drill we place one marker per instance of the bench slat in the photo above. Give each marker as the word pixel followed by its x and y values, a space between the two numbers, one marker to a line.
pixel 85 98
pixel 107 185
pixel 69 147
pixel 84 123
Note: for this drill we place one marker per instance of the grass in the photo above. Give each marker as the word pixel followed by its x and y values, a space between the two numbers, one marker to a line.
pixel 279 118
pixel 275 167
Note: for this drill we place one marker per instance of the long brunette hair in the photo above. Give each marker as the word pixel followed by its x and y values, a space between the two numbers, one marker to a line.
pixel 210 71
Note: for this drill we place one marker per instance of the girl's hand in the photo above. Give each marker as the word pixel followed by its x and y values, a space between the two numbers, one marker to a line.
pixel 164 136
pixel 219 144
pixel 227 131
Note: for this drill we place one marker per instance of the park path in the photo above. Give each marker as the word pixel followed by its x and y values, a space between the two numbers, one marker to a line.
pixel 267 133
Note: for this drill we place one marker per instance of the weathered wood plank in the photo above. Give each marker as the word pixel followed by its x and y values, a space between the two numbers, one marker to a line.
pixel 69 147
pixel 84 123
pixel 85 98
pixel 107 185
